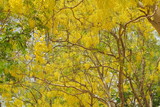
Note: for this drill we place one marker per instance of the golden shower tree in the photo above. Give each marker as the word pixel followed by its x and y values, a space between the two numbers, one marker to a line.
pixel 83 53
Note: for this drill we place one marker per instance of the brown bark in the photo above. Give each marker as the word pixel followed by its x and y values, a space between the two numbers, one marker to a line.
pixel 156 16
pixel 120 86
pixel 121 52
pixel 156 19
pixel 121 55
